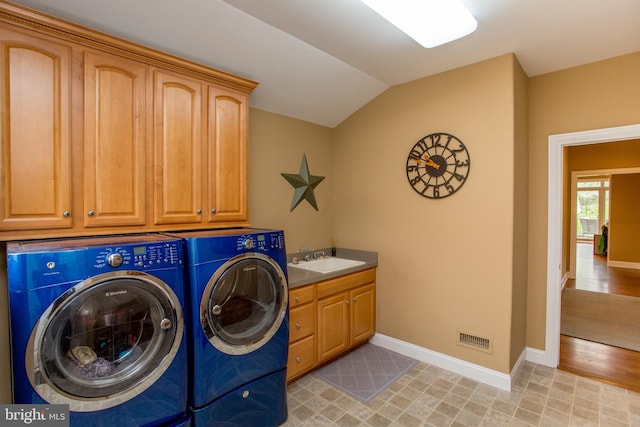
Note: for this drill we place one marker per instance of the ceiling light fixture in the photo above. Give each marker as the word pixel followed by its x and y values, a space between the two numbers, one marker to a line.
pixel 429 22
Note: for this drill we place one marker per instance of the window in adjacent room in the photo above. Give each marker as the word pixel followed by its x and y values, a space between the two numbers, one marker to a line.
pixel 592 206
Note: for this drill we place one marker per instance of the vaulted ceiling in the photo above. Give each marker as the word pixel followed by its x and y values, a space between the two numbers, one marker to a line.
pixel 321 60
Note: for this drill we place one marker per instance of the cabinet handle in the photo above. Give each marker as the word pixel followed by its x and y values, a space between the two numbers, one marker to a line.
pixel 91 213
pixel 354 299
pixel 213 210
pixel 199 211
pixel 347 302
pixel 298 325
pixel 297 299
pixel 66 214
pixel 297 360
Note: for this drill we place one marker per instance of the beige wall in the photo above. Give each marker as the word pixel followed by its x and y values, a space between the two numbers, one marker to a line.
pixel 444 265
pixel 520 214
pixel 624 212
pixel 610 155
pixel 276 146
pixel 594 96
pixel 436 274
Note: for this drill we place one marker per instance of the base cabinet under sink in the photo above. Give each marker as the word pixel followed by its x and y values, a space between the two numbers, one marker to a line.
pixel 328 319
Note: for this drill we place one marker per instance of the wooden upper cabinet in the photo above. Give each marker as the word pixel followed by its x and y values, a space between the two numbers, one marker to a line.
pixel 35 144
pixel 114 140
pixel 177 149
pixel 99 135
pixel 227 159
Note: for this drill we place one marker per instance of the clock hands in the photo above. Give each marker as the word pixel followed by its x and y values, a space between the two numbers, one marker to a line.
pixel 427 161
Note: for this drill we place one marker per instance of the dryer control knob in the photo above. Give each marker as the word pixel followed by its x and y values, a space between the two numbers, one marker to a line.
pixel 114 260
pixel 248 244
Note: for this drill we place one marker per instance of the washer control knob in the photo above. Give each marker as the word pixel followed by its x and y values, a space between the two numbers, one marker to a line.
pixel 114 260
pixel 248 244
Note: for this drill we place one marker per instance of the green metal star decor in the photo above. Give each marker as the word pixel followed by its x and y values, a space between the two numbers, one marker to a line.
pixel 304 184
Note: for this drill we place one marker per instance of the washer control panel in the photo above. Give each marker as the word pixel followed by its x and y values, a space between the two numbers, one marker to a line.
pixel 261 242
pixel 144 255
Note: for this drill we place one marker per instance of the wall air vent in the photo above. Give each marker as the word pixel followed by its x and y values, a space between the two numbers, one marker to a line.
pixel 475 342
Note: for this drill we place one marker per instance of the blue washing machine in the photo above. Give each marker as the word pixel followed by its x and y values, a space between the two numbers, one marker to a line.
pixel 239 326
pixel 97 324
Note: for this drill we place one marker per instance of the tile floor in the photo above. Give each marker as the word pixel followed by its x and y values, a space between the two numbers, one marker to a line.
pixel 430 396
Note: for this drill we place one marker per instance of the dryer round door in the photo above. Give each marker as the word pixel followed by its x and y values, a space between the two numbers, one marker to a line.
pixel 105 340
pixel 244 303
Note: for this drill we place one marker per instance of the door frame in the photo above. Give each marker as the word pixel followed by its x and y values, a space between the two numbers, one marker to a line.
pixel 556 277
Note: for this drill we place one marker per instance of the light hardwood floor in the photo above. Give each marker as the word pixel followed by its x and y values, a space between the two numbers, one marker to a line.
pixel 605 363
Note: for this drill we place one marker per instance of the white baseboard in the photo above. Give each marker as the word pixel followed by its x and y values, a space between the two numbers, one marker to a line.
pixel 476 372
pixel 624 264
pixel 538 356
pixel 563 280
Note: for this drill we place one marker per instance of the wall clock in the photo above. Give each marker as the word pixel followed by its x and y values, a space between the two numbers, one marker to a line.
pixel 438 165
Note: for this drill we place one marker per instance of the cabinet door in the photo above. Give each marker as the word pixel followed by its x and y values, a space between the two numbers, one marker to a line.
pixel 363 313
pixel 333 325
pixel 35 140
pixel 177 149
pixel 114 141
pixel 227 155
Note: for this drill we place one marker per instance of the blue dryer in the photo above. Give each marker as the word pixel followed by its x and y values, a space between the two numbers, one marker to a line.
pixel 239 326
pixel 97 324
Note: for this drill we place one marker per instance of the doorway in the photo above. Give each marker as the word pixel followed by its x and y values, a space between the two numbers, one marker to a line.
pixel 589 210
pixel 556 277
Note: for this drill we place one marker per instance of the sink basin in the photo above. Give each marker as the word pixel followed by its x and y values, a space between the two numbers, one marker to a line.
pixel 327 265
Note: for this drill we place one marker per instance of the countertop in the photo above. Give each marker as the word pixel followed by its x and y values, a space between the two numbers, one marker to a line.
pixel 299 277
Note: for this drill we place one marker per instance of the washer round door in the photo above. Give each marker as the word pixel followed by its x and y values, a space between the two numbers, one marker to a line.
pixel 105 341
pixel 244 303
